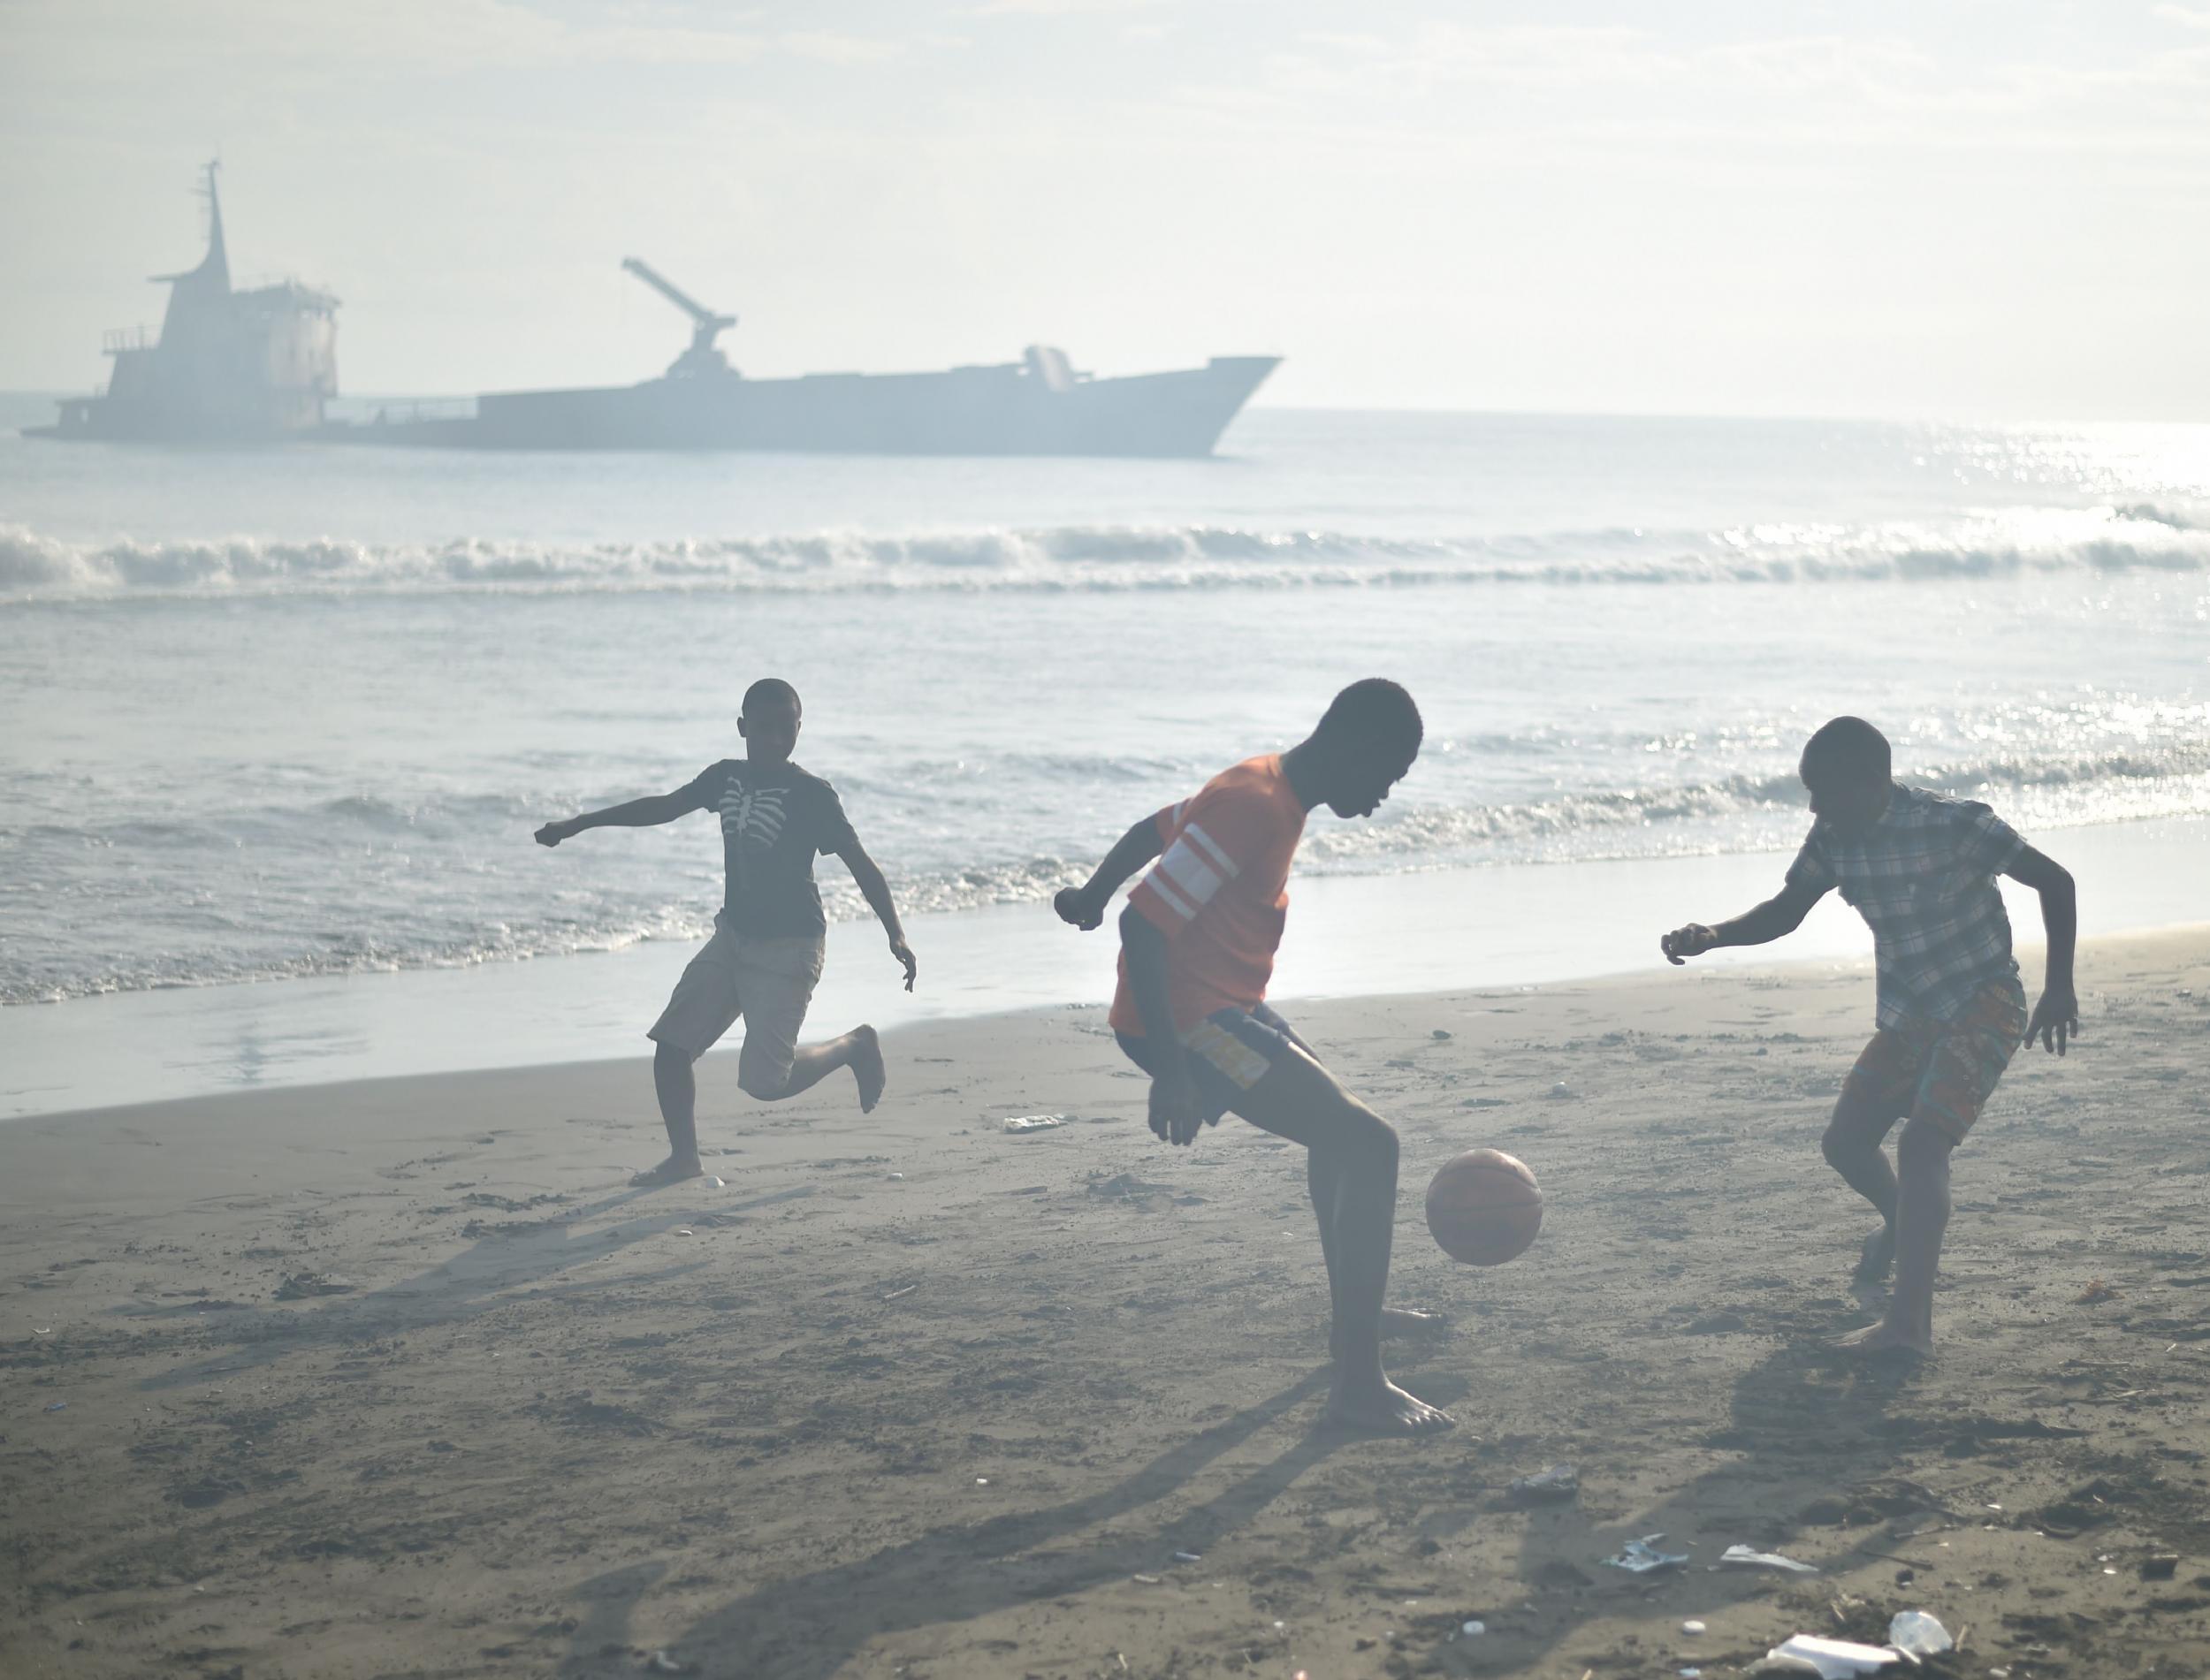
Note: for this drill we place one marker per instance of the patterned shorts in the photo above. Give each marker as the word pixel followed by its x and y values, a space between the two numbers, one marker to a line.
pixel 1231 1051
pixel 1941 1072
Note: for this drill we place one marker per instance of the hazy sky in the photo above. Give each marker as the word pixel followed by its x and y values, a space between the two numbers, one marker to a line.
pixel 1981 210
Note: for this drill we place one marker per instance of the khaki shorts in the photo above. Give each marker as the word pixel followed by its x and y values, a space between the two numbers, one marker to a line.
pixel 1941 1072
pixel 768 982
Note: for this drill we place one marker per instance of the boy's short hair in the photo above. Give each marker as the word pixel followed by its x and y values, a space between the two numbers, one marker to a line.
pixel 768 691
pixel 1850 749
pixel 1378 710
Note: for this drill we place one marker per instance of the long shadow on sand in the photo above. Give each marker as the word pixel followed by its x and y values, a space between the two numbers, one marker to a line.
pixel 809 1627
pixel 1808 1424
pixel 470 1282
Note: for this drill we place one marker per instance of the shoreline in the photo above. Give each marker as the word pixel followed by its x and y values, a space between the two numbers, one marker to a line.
pixel 395 1375
pixel 1349 936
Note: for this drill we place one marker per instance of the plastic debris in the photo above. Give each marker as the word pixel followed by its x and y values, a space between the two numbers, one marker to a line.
pixel 1917 1634
pixel 1833 1659
pixel 1693 1627
pixel 60 1405
pixel 1551 1487
pixel 895 1177
pixel 667 1662
pixel 711 1183
pixel 1743 1557
pixel 684 1231
pixel 1148 1580
pixel 2161 1566
pixel 1640 1556
pixel 1439 1034
pixel 1189 1557
pixel 982 1481
pixel 1561 1089
pixel 1034 1122
pixel 1473 1630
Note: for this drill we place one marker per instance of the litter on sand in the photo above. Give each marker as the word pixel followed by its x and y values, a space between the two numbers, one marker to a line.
pixel 1551 1487
pixel 60 1405
pixel 1473 1630
pixel 1034 1122
pixel 1189 1557
pixel 1743 1557
pixel 1831 1659
pixel 1917 1634
pixel 1640 1556
pixel 1691 1627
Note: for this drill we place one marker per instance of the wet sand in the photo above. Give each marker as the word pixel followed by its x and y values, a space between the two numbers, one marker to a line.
pixel 398 1377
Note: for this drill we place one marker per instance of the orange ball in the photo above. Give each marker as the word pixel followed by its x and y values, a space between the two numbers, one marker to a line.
pixel 1484 1207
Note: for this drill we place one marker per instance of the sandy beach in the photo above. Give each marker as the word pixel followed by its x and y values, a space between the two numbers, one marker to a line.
pixel 398 1378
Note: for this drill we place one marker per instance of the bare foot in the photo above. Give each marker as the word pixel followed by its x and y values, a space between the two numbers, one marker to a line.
pixel 867 1068
pixel 1376 1405
pixel 1397 1322
pixel 1877 1259
pixel 674 1170
pixel 1885 1338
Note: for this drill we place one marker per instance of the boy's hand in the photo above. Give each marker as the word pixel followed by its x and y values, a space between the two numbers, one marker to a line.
pixel 2054 1019
pixel 1690 941
pixel 553 834
pixel 1076 909
pixel 903 952
pixel 1177 1114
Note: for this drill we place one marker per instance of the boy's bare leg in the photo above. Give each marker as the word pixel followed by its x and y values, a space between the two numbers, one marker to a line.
pixel 1852 1147
pixel 1320 1179
pixel 860 1050
pixel 678 1092
pixel 1354 1193
pixel 1922 1221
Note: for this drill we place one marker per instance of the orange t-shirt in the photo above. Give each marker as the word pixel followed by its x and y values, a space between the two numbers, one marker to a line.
pixel 1217 892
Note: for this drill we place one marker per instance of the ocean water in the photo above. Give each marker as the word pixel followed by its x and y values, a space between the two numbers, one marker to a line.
pixel 290 713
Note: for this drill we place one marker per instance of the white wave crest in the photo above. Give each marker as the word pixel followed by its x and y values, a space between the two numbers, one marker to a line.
pixel 35 567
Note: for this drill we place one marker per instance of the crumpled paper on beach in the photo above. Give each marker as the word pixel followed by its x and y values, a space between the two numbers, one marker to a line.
pixel 1640 1556
pixel 1831 1659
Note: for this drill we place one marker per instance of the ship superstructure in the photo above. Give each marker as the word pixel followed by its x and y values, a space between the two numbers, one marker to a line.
pixel 228 365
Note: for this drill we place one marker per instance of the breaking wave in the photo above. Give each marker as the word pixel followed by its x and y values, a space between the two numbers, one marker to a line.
pixel 388 914
pixel 2017 542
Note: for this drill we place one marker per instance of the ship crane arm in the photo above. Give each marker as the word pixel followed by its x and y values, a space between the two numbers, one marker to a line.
pixel 705 324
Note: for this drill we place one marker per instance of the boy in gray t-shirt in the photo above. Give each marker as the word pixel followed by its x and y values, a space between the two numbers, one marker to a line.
pixel 765 954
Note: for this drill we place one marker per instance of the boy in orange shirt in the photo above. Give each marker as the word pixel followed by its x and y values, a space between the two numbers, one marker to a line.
pixel 1197 948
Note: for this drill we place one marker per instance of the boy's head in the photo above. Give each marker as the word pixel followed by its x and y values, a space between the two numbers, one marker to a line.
pixel 1366 741
pixel 769 721
pixel 1850 775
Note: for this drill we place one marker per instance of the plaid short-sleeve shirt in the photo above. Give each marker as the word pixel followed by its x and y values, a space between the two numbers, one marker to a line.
pixel 1923 878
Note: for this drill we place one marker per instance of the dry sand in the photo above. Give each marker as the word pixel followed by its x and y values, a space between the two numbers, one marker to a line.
pixel 913 1397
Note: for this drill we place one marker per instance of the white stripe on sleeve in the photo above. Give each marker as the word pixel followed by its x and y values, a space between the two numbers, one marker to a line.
pixel 1157 882
pixel 1215 853
pixel 1185 866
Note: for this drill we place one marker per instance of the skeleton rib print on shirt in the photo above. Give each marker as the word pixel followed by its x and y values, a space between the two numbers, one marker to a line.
pixel 775 820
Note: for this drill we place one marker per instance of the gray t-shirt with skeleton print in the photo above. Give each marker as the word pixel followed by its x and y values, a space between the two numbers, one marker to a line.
pixel 775 819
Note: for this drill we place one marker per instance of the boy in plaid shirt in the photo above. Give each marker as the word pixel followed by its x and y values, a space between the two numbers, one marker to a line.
pixel 1921 869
